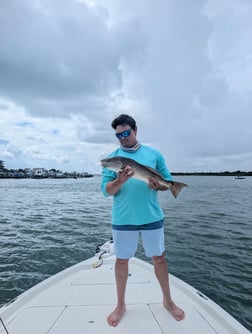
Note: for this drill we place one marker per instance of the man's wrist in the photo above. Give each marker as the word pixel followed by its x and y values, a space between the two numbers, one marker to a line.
pixel 117 181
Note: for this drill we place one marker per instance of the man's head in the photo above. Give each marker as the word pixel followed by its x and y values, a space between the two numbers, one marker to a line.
pixel 125 130
pixel 124 119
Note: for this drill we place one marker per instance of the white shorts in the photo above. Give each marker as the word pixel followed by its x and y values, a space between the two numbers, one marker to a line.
pixel 126 242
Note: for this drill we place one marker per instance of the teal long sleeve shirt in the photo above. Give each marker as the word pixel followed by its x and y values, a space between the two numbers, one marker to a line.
pixel 135 203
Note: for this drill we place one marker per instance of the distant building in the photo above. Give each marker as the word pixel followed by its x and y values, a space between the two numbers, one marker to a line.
pixel 39 172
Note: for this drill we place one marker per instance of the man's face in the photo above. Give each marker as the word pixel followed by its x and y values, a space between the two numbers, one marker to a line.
pixel 126 135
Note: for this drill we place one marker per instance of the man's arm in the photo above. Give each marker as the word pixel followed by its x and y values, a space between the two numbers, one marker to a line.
pixel 114 186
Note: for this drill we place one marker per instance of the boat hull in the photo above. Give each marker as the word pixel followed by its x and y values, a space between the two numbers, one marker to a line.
pixel 78 300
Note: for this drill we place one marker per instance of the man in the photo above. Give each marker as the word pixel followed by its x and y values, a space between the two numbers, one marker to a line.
pixel 136 210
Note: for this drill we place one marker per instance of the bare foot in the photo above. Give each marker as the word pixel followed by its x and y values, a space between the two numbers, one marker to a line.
pixel 115 317
pixel 175 311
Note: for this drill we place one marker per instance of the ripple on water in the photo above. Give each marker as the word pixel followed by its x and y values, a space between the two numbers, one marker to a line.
pixel 48 225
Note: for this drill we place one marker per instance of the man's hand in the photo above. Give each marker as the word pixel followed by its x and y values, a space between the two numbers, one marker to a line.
pixel 124 174
pixel 153 183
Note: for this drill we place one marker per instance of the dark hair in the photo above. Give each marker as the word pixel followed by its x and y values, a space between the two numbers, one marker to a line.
pixel 124 119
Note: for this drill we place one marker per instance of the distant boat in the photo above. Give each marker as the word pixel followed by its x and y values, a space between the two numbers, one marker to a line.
pixel 240 177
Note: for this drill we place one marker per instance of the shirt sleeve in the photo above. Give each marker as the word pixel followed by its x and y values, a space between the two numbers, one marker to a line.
pixel 107 176
pixel 163 169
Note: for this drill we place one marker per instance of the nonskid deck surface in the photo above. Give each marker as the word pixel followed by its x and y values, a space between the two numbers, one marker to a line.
pixel 79 299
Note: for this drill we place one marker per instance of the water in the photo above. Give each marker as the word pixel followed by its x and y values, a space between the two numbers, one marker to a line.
pixel 48 225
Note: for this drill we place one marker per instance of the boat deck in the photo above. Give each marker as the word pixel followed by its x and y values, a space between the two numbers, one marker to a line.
pixel 79 299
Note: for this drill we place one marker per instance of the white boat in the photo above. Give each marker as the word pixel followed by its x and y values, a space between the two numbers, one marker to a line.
pixel 78 300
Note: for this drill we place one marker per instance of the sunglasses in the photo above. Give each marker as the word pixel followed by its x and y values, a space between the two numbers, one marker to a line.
pixel 123 134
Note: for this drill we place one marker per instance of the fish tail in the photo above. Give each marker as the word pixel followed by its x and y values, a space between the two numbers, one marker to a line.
pixel 176 187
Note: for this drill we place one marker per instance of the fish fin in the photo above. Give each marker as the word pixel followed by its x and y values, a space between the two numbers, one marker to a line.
pixel 176 187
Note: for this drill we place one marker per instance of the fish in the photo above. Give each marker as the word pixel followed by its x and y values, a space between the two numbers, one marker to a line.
pixel 142 172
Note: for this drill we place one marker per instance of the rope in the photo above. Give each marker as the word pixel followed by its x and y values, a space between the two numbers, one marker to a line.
pixel 98 263
pixel 100 256
pixel 4 327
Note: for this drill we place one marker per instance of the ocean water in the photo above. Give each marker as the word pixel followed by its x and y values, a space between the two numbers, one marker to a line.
pixel 48 225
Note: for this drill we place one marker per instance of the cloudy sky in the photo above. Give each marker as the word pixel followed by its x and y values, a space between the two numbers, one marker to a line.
pixel 182 68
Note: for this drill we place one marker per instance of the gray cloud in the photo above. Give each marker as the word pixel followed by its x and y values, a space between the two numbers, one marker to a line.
pixel 54 59
pixel 183 70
